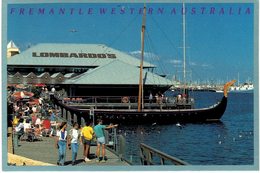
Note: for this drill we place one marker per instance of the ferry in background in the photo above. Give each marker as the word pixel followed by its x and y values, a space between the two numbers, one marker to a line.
pixel 244 88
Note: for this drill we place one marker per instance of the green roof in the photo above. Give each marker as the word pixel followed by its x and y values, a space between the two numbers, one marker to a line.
pixel 118 73
pixel 26 57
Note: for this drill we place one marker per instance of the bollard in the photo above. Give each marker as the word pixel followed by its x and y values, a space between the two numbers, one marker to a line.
pixel 75 118
pixel 131 158
pixel 115 142
pixel 106 136
pixel 69 116
pixel 82 122
pixel 121 152
pixel 64 113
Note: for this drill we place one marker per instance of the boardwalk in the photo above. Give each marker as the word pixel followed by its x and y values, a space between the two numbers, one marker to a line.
pixel 45 151
pixel 9 140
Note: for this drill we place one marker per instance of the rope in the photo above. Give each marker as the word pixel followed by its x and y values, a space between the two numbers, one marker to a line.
pixel 166 37
pixel 117 38
pixel 150 46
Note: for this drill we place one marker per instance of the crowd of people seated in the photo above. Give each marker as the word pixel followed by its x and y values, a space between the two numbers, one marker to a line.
pixel 33 122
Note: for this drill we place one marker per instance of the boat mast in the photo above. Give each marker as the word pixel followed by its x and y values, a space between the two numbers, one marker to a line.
pixel 184 45
pixel 140 94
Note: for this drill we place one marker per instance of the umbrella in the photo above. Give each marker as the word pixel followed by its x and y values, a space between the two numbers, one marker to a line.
pixel 20 86
pixel 22 95
pixel 40 85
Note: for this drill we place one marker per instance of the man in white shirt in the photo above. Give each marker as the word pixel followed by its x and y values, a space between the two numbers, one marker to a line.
pixel 27 126
pixel 19 129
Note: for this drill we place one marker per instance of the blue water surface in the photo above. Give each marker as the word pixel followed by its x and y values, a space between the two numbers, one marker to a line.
pixel 229 142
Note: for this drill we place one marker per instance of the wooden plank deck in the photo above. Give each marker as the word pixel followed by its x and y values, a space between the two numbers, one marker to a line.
pixel 45 151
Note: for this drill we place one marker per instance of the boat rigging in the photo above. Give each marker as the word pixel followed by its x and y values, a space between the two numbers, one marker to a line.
pixel 163 111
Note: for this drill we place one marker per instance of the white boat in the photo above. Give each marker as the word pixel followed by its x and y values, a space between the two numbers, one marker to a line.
pixel 245 88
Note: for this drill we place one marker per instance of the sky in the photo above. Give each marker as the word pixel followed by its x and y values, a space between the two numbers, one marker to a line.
pixel 219 37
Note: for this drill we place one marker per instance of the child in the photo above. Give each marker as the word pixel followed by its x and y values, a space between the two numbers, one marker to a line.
pixel 86 137
pixel 74 136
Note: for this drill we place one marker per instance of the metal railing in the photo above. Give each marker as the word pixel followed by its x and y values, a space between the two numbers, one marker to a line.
pixel 116 144
pixel 151 156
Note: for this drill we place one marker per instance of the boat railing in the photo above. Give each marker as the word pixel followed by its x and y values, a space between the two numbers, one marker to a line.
pixel 129 102
pixel 91 99
pixel 123 99
pixel 109 99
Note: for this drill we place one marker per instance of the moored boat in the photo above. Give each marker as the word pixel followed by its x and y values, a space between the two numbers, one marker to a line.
pixel 245 88
pixel 148 116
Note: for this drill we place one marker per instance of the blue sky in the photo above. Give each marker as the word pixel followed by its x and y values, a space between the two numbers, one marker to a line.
pixel 219 36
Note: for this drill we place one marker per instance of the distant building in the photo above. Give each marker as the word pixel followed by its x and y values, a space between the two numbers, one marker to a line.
pixel 12 49
pixel 84 69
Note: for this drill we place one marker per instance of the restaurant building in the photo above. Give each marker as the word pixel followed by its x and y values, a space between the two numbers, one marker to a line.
pixel 83 70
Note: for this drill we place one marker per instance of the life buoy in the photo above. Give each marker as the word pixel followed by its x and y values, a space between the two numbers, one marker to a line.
pixel 125 100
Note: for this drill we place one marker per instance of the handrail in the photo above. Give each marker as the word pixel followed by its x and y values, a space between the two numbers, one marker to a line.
pixel 117 99
pixel 148 153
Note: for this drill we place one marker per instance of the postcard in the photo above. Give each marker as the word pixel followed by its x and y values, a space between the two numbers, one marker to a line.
pixel 121 85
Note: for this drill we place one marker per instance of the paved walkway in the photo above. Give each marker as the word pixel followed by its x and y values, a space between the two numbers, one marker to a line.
pixel 45 151
pixel 9 140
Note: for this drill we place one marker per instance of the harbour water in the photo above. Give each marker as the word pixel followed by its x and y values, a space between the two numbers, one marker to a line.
pixel 229 142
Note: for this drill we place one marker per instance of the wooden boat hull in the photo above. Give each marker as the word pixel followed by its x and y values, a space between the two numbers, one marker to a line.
pixel 213 113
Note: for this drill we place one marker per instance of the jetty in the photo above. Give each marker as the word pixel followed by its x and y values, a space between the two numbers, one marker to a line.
pixel 45 151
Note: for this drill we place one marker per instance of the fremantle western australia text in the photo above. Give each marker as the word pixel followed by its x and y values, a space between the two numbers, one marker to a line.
pixel 243 10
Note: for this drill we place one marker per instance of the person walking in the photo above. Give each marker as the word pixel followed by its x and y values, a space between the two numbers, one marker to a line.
pixel 74 136
pixel 151 98
pixel 86 137
pixel 61 143
pixel 99 132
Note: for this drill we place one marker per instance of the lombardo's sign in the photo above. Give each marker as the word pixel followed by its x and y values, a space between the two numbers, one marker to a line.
pixel 72 55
